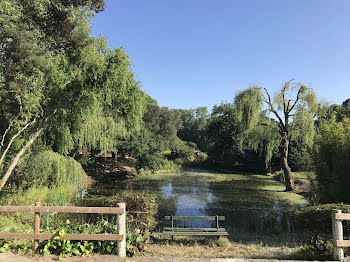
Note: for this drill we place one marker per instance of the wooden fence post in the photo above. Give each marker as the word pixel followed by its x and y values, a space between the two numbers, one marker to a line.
pixel 36 226
pixel 121 224
pixel 337 229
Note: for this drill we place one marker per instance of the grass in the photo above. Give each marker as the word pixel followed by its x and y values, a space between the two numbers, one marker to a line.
pixel 211 248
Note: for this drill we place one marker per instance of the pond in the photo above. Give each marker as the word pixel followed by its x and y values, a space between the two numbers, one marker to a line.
pixel 255 206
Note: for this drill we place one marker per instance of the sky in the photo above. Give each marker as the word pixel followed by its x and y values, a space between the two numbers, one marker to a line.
pixel 192 53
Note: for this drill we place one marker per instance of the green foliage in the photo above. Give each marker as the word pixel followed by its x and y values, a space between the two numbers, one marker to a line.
pixel 142 210
pixel 61 195
pixel 322 214
pixel 317 249
pixel 224 135
pixel 50 169
pixel 265 142
pixel 135 242
pixel 79 92
pixel 11 224
pixel 222 242
pixel 339 111
pixel 194 126
pixel 65 248
pixel 332 160
pixel 106 107
pixel 162 122
pixel 186 153
pixel 158 135
pixel 248 104
pixel 35 34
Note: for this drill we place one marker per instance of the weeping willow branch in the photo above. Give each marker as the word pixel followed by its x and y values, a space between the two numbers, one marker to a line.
pixel 13 139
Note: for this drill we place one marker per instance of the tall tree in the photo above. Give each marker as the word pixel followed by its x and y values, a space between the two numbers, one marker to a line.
pixel 55 77
pixel 293 107
pixel 194 126
pixel 224 135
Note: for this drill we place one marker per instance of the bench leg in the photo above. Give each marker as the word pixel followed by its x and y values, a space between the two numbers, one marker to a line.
pixel 172 237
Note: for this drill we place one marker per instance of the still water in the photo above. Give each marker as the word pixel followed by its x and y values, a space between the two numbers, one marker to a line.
pixel 255 207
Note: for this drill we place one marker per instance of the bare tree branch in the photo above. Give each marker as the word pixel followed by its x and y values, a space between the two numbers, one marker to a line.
pixel 265 124
pixel 296 100
pixel 4 136
pixel 13 139
pixel 272 109
pixel 284 102
pixel 273 127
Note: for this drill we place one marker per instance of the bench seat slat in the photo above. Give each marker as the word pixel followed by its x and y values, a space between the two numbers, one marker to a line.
pixel 208 218
pixel 195 233
pixel 193 229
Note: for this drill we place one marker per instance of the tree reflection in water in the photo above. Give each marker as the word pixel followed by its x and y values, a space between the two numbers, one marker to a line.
pixel 252 213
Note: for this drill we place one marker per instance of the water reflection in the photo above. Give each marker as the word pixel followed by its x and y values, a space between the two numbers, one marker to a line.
pixel 246 209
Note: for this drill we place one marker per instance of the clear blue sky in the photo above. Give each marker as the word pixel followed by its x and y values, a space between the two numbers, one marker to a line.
pixel 190 53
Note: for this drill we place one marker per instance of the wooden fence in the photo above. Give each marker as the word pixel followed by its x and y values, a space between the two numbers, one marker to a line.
pixel 38 209
pixel 337 228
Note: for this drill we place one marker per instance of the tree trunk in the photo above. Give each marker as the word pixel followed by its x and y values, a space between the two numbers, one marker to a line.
pixel 16 159
pixel 284 162
pixel 11 141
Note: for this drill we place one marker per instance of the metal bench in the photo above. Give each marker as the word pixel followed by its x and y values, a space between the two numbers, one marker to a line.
pixel 183 231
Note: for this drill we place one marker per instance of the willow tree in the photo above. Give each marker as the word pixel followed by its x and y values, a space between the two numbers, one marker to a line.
pixel 57 80
pixel 293 109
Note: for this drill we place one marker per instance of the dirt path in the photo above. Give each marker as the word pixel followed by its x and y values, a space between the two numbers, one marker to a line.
pixel 10 257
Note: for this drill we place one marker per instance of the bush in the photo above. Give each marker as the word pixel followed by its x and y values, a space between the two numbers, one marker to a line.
pixel 317 249
pixel 186 153
pixel 222 242
pixel 55 196
pixel 50 169
pixel 318 220
pixel 332 161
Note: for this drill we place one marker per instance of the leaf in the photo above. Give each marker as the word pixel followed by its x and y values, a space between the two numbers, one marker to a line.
pixel 76 251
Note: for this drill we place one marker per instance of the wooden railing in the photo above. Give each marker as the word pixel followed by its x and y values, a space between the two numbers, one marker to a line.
pixel 37 236
pixel 337 229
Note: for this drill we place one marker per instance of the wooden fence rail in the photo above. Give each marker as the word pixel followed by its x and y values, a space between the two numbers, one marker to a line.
pixel 120 237
pixel 337 229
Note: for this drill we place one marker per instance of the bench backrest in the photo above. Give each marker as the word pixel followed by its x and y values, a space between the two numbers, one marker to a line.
pixel 183 218
pixel 208 218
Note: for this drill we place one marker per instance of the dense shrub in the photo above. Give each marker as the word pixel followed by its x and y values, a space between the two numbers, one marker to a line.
pixel 186 153
pixel 317 249
pixel 332 161
pixel 318 220
pixel 49 169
